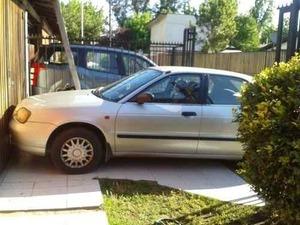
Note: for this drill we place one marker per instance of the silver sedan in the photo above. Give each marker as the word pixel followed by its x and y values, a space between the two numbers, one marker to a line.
pixel 161 111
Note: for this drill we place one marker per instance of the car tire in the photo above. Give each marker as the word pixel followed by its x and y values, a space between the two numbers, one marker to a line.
pixel 77 150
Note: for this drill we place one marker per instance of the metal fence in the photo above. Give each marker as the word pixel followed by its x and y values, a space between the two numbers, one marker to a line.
pixel 166 54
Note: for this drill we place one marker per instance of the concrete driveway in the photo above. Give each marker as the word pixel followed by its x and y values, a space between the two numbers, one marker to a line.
pixel 32 183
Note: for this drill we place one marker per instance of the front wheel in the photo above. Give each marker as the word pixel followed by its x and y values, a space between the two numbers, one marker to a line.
pixel 76 150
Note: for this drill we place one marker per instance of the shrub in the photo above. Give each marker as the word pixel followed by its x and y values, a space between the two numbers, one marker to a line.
pixel 269 128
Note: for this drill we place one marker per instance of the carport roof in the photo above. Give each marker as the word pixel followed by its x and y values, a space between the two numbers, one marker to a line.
pixel 42 12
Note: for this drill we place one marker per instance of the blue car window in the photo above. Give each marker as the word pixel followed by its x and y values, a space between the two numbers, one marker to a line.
pixel 102 61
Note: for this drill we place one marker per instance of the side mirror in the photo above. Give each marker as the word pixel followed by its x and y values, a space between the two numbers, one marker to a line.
pixel 144 97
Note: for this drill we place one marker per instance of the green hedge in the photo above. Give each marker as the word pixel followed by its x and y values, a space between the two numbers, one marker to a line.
pixel 269 128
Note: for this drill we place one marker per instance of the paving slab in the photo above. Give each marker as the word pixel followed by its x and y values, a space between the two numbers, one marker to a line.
pixel 74 217
pixel 209 178
pixel 32 183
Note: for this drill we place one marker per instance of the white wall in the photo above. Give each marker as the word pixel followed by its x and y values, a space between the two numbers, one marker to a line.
pixel 171 28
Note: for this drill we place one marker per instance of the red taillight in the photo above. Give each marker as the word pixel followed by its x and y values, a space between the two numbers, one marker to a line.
pixel 36 68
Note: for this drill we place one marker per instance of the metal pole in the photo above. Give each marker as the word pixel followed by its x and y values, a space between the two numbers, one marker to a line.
pixel 292 39
pixel 82 20
pixel 109 20
pixel 279 37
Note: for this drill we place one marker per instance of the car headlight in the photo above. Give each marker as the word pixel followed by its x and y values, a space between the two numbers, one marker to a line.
pixel 22 115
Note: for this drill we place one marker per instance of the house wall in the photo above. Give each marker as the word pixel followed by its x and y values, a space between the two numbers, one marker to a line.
pixel 171 28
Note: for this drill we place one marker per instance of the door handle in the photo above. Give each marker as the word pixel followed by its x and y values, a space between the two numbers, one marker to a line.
pixel 189 114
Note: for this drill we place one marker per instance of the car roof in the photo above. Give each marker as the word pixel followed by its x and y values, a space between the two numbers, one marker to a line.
pixel 183 69
pixel 95 47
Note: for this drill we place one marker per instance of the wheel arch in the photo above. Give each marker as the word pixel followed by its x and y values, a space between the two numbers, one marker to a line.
pixel 65 126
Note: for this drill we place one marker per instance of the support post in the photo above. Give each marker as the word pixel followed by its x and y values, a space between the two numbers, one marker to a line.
pixel 279 36
pixel 292 39
pixel 66 45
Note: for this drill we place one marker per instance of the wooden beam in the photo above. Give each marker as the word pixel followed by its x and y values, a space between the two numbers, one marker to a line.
pixel 66 44
pixel 28 7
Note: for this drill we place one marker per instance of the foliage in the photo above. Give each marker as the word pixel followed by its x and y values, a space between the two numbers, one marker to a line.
pixel 219 16
pixel 187 9
pixel 247 37
pixel 140 6
pixel 262 12
pixel 140 34
pixel 122 9
pixel 93 19
pixel 269 128
pixel 169 6
pixel 145 202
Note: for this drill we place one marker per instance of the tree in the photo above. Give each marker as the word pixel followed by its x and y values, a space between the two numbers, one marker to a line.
pixel 247 37
pixel 187 9
pixel 262 12
pixel 219 17
pixel 138 25
pixel 120 9
pixel 140 6
pixel 93 19
pixel 169 6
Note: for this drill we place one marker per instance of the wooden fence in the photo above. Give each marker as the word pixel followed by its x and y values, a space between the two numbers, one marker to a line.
pixel 243 62
pixel 12 67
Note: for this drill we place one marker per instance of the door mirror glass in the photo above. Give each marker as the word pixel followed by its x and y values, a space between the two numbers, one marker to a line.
pixel 144 97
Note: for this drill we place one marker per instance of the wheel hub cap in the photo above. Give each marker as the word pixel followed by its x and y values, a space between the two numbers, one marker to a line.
pixel 77 152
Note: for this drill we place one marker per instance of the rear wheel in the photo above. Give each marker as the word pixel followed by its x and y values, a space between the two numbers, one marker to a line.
pixel 77 150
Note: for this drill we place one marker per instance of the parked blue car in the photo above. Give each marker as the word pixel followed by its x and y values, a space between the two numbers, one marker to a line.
pixel 96 66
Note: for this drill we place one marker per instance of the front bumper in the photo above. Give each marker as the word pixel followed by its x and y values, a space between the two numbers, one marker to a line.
pixel 32 136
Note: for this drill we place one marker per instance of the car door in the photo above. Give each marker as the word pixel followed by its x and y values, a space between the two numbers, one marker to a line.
pixel 218 133
pixel 102 68
pixel 169 124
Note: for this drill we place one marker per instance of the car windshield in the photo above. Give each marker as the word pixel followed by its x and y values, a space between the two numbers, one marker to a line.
pixel 118 90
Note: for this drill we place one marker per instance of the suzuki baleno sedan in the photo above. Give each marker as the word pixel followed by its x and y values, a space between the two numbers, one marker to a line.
pixel 158 112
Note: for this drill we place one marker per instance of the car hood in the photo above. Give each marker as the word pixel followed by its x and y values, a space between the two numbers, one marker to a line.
pixel 64 99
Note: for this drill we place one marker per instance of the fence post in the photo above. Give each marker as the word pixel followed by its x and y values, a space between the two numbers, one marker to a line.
pixel 173 56
pixel 279 36
pixel 292 39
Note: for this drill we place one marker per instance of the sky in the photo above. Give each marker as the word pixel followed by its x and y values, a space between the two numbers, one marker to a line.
pixel 244 5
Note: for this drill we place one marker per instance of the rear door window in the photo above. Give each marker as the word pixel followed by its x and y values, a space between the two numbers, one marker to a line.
pixel 224 90
pixel 134 64
pixel 102 61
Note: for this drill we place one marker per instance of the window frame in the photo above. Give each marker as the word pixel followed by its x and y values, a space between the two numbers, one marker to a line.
pixel 201 93
pixel 206 83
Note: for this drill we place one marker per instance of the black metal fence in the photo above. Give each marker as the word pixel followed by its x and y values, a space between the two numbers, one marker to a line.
pixel 293 40
pixel 166 54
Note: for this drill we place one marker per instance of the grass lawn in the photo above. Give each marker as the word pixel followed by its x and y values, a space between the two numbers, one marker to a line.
pixel 144 202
